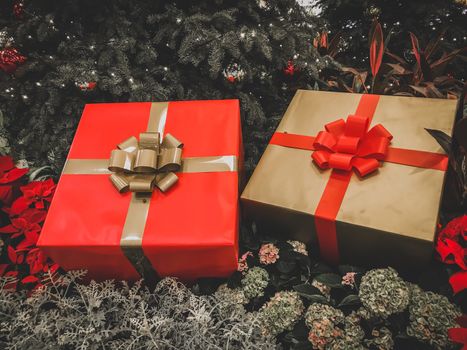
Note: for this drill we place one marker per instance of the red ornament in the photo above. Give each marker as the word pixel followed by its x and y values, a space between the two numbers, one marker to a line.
pixel 10 58
pixel 87 86
pixel 290 69
pixel 18 9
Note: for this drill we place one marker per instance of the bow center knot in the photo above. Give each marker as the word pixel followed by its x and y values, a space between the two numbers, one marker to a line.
pixel 348 145
pixel 140 165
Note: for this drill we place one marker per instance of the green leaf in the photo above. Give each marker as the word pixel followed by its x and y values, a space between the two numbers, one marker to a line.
pixel 442 138
pixel 351 299
pixel 310 293
pixel 320 268
pixel 286 267
pixel 330 279
pixel 343 269
pixel 317 298
pixel 305 289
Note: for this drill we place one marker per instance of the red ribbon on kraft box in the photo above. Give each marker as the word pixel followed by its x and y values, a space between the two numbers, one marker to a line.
pixel 345 146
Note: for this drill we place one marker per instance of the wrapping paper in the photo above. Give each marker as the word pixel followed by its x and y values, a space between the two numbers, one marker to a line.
pixel 386 217
pixel 190 231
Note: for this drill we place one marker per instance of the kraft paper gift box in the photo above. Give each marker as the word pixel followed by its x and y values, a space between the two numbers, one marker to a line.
pixel 366 196
pixel 188 231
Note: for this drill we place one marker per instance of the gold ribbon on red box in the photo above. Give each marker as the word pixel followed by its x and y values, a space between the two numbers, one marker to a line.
pixel 347 145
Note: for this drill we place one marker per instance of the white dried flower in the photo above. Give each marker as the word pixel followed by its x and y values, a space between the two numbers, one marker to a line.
pixel 383 292
pixel 298 247
pixel 254 282
pixel 281 312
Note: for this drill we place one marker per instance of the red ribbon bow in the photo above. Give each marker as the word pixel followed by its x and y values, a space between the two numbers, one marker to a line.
pixel 348 144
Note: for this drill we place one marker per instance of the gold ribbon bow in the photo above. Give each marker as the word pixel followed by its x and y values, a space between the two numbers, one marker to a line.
pixel 138 166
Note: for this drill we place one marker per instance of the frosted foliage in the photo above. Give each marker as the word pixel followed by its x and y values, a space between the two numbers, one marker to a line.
pixel 110 315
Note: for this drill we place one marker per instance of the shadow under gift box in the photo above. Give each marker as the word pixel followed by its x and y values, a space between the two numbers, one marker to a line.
pixel 191 231
pixel 386 218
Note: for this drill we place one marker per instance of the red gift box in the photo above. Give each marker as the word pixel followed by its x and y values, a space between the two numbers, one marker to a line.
pixel 190 231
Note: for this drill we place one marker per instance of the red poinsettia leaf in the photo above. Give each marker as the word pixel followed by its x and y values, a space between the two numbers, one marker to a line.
pixel 458 335
pixel 31 189
pixel 12 254
pixel 376 48
pixel 37 286
pixel 33 236
pixel 28 241
pixel 39 205
pixel 6 195
pixel 20 259
pixel 49 188
pixel 462 321
pixel 6 163
pixel 458 281
pixel 458 253
pixel 3 268
pixel 29 279
pixel 54 268
pixel 11 274
pixel 34 216
pixel 18 206
pixel 13 175
pixel 8 229
pixel 36 267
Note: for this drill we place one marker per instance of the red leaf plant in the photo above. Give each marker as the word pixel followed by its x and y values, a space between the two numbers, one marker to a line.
pixel 450 247
pixel 376 48
pixel 8 175
pixel 21 261
pixel 459 335
pixel 429 76
pixel 325 46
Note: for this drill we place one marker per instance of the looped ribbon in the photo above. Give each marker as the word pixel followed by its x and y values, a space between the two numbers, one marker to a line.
pixel 348 145
pixel 138 166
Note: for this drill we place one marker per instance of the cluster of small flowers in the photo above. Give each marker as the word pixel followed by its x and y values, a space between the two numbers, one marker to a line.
pixel 230 301
pixel 298 247
pixel 324 289
pixel 383 292
pixel 281 312
pixel 254 282
pixel 323 320
pixel 242 263
pixel 233 296
pixel 353 332
pixel 349 279
pixel 268 254
pixel 431 315
pixel 381 339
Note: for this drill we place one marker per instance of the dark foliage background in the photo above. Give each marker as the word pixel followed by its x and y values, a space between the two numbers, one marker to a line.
pixel 425 18
pixel 149 51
